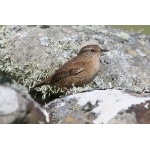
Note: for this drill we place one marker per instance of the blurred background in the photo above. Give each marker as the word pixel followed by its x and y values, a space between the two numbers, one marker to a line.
pixel 145 29
pixel 138 28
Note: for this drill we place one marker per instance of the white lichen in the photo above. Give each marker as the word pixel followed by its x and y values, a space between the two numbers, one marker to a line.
pixel 111 102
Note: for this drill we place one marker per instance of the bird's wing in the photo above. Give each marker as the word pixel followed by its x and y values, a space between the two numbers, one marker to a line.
pixel 75 71
pixel 64 72
pixel 60 74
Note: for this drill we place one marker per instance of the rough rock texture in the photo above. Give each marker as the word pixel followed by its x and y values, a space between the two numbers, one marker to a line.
pixel 124 118
pixel 142 112
pixel 139 113
pixel 20 108
pixel 30 53
pixel 100 106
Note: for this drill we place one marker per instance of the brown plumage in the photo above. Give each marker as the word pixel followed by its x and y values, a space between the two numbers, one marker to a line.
pixel 78 71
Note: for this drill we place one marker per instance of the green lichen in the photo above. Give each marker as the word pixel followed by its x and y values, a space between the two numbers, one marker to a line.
pixel 123 35
pixel 29 62
pixel 25 75
pixel 21 74
pixel 75 90
pixel 29 74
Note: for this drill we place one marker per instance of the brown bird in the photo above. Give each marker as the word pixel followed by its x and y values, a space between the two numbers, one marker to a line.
pixel 78 71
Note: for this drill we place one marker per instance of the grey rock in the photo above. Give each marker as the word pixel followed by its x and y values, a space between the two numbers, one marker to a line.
pixel 51 47
pixel 44 26
pixel 16 108
pixel 12 105
pixel 124 118
pixel 44 41
pixel 29 54
pixel 98 107
pixel 135 114
pixel 140 53
pixel 141 111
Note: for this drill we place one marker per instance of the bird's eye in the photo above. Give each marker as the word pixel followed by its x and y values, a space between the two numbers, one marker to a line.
pixel 92 50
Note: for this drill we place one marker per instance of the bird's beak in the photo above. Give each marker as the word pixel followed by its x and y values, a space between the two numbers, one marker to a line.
pixel 104 50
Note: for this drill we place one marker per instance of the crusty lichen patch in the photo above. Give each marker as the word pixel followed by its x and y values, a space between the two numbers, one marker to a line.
pixel 24 74
pixel 132 52
pixel 30 54
pixel 27 66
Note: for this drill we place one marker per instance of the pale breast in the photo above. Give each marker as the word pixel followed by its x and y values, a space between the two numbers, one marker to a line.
pixel 94 67
pixel 87 75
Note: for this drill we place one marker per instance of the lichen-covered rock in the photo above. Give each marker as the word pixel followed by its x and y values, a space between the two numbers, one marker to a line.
pixel 29 53
pixel 99 106
pixel 139 113
pixel 124 118
pixel 18 107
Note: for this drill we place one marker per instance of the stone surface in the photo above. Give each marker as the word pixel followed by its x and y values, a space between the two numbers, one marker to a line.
pixel 34 52
pixel 16 108
pixel 98 107
pixel 30 53
pixel 141 111
pixel 124 118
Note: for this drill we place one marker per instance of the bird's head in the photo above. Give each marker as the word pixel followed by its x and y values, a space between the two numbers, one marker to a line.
pixel 92 51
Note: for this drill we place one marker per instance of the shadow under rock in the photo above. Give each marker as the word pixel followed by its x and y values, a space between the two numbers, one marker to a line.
pixel 37 96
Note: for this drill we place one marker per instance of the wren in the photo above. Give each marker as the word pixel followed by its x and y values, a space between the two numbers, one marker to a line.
pixel 79 71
